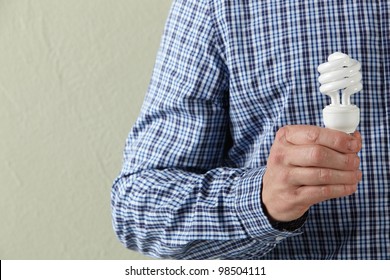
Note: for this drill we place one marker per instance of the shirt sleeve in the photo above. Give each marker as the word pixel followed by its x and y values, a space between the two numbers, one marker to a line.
pixel 176 196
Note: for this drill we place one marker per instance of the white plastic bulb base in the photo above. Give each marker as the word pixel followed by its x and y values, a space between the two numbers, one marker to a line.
pixel 344 118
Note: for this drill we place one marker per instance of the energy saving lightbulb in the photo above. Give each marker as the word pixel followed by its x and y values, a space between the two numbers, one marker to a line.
pixel 340 73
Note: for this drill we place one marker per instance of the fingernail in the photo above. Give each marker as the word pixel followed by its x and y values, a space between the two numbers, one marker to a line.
pixel 359 175
pixel 356 162
pixel 353 145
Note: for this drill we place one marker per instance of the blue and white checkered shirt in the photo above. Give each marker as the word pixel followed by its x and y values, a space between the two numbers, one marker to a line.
pixel 228 75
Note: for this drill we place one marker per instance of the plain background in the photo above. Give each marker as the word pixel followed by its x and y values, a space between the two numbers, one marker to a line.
pixel 73 76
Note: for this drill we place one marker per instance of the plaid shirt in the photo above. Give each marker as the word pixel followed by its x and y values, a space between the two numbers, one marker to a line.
pixel 228 75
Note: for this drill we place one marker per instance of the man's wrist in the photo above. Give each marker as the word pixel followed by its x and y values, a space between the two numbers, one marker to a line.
pixel 286 226
pixel 291 225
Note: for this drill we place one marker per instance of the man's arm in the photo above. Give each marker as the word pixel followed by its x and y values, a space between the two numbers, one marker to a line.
pixel 176 197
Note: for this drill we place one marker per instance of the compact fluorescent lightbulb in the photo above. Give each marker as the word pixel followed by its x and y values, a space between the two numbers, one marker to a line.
pixel 340 73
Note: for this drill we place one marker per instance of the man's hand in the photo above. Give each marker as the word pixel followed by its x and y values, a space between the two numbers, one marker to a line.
pixel 307 165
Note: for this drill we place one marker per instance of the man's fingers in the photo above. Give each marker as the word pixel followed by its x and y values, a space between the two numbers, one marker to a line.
pixel 310 195
pixel 333 139
pixel 320 156
pixel 299 176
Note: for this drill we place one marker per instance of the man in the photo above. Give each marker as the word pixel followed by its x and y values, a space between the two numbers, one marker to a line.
pixel 228 158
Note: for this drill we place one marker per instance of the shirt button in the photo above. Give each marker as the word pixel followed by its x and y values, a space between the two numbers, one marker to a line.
pixel 278 239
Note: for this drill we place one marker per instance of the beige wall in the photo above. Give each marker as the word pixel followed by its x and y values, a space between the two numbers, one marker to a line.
pixel 73 74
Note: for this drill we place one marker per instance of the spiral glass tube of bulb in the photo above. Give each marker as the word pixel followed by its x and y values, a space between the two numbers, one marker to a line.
pixel 340 74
